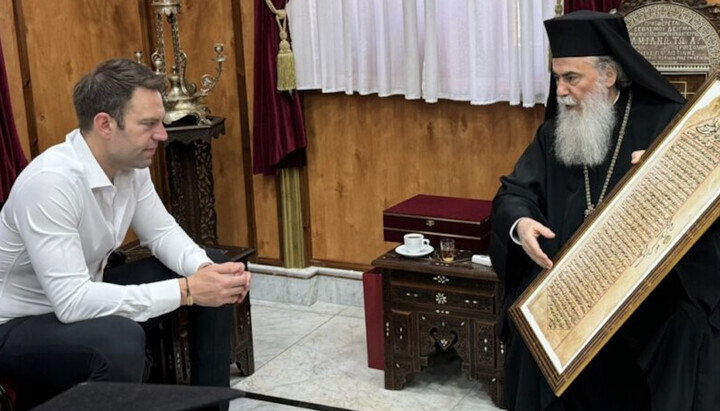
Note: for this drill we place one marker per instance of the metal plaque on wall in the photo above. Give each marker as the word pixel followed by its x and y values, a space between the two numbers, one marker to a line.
pixel 674 37
pixel 680 38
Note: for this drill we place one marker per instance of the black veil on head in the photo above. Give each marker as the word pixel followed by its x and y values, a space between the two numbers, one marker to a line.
pixel 590 33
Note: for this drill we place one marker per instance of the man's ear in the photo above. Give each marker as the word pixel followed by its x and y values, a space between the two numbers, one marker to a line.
pixel 612 77
pixel 104 124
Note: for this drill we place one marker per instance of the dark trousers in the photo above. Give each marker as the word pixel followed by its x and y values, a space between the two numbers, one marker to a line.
pixel 47 356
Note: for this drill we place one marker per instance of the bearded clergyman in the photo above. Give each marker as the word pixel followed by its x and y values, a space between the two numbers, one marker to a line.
pixel 607 105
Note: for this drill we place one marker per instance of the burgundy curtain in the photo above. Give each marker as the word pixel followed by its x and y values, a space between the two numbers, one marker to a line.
pixel 278 128
pixel 12 158
pixel 596 5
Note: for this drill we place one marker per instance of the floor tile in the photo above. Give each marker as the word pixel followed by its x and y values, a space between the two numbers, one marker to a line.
pixel 319 307
pixel 355 312
pixel 276 329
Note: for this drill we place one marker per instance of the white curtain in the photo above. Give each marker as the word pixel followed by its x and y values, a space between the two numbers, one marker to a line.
pixel 481 51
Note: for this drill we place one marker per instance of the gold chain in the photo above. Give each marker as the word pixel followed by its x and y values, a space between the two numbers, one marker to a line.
pixel 590 207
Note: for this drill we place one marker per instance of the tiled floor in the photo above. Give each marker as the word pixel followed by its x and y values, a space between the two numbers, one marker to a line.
pixel 317 354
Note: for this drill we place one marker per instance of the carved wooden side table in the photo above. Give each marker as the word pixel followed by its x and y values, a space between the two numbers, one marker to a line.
pixel 174 353
pixel 429 304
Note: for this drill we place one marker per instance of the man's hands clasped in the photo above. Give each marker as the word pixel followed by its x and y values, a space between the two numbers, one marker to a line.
pixel 214 285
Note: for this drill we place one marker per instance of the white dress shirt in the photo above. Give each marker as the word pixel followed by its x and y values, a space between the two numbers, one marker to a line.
pixel 62 220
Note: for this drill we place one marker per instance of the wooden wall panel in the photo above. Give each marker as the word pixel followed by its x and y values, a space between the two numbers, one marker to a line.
pixel 267 223
pixel 265 190
pixel 202 24
pixel 367 153
pixel 8 35
pixel 65 39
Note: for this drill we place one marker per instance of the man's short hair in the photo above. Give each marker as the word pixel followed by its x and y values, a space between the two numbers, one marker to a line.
pixel 108 88
pixel 602 63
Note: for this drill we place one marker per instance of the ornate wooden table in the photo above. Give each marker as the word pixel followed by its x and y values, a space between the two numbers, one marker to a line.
pixel 173 345
pixel 430 304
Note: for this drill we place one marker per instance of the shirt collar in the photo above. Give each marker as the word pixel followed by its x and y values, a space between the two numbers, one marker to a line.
pixel 95 175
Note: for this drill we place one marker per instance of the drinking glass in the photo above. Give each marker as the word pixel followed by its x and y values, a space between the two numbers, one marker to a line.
pixel 447 249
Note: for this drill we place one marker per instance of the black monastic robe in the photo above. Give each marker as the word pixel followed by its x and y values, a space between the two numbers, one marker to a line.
pixel 667 355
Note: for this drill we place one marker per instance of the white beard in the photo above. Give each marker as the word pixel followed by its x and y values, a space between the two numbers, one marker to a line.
pixel 583 137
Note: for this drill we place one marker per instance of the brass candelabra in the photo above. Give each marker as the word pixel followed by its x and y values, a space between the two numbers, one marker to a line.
pixel 182 98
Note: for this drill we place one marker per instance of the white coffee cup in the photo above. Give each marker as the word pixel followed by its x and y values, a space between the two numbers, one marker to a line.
pixel 415 242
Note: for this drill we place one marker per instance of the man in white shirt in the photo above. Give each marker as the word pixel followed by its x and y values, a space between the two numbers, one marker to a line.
pixel 61 322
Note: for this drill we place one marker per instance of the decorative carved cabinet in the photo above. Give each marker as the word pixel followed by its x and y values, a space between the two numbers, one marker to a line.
pixel 174 359
pixel 430 304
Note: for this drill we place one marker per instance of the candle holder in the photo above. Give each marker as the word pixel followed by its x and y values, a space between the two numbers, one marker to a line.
pixel 182 98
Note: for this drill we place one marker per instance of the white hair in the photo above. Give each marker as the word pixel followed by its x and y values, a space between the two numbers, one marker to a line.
pixel 603 63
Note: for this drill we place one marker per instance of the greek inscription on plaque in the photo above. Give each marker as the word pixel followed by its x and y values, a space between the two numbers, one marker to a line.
pixel 674 37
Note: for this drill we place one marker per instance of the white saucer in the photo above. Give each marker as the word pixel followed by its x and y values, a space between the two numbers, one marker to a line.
pixel 421 253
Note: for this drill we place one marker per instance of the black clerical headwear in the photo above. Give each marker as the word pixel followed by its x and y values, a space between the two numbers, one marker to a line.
pixel 590 33
pixel 585 33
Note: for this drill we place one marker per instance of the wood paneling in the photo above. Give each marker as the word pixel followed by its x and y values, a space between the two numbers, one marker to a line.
pixel 367 153
pixel 8 35
pixel 65 39
pixel 202 24
pixel 265 189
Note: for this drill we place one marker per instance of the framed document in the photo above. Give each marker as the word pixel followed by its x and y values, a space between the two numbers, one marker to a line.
pixel 622 252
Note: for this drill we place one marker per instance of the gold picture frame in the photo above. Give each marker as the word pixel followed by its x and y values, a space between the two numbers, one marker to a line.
pixel 627 246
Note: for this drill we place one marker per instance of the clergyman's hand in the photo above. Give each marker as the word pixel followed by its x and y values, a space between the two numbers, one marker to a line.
pixel 528 230
pixel 636 156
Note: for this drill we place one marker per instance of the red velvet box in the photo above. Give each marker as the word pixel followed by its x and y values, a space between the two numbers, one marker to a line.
pixel 464 219
pixel 372 292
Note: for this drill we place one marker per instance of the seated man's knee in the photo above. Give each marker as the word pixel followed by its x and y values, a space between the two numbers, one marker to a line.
pixel 119 345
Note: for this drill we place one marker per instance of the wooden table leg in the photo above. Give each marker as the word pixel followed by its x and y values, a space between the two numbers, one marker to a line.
pixel 241 352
